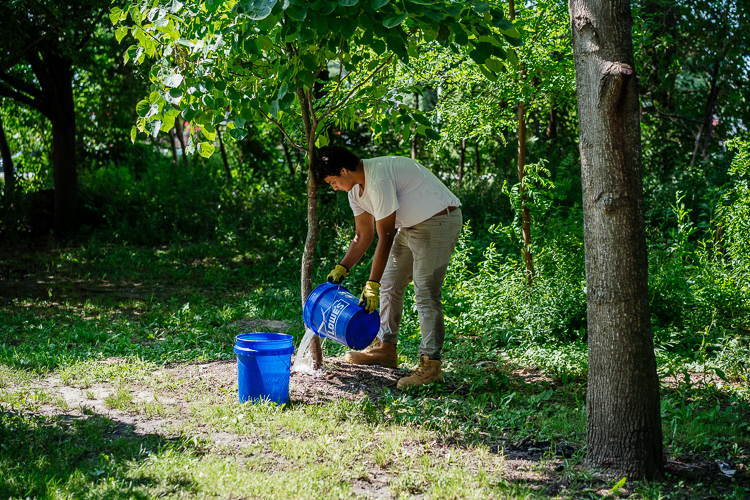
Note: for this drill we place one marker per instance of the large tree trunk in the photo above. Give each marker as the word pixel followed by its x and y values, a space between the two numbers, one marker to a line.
pixel 622 402
pixel 8 170
pixel 62 110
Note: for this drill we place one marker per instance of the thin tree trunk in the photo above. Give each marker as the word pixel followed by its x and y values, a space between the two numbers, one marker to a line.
pixel 8 170
pixel 703 139
pixel 181 138
pixel 289 162
pixel 623 426
pixel 313 228
pixel 461 162
pixel 223 151
pixel 552 123
pixel 414 137
pixel 172 138
pixel 525 215
pixel 477 158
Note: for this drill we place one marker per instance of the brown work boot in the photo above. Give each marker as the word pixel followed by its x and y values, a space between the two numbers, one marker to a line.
pixel 429 371
pixel 377 353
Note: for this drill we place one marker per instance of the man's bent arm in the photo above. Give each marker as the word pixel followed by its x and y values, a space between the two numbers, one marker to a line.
pixel 364 225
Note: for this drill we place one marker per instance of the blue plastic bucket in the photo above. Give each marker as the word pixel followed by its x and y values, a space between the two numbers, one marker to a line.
pixel 332 312
pixel 263 362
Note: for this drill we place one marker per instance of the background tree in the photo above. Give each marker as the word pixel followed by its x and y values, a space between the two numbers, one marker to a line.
pixel 622 402
pixel 262 58
pixel 40 41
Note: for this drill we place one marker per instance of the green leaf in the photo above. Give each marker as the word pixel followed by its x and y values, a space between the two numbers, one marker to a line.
pixel 490 75
pixel 238 134
pixel 376 4
pixel 495 65
pixel 142 107
pixel 258 9
pixel 274 108
pixel 434 15
pixel 512 57
pixel 481 7
pixel 322 140
pixel 206 149
pixel 189 113
pixel 516 42
pixel 619 485
pixel 133 132
pixel 503 24
pixel 173 96
pixel 174 80
pixel 209 131
pixel 348 3
pixel 175 5
pixel 394 20
pixel 115 15
pixel 431 134
pixel 120 33
pixel 444 34
pixel 477 56
pixel 721 375
pixel 296 13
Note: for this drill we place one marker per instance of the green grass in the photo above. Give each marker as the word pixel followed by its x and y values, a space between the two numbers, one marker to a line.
pixel 111 318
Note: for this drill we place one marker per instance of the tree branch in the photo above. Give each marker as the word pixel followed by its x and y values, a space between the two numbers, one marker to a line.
pixel 281 129
pixel 9 65
pixel 21 85
pixel 358 86
pixel 23 99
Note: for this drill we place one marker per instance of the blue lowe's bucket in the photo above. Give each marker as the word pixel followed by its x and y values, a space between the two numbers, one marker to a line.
pixel 332 312
pixel 263 361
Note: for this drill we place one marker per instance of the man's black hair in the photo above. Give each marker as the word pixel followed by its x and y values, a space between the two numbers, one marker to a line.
pixel 329 160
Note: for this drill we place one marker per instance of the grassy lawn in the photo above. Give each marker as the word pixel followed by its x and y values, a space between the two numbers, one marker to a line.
pixel 117 380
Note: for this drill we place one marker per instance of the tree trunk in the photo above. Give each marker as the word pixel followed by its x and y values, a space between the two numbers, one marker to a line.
pixel 414 137
pixel 223 151
pixel 181 138
pixel 172 138
pixel 461 162
pixel 477 158
pixel 706 128
pixel 623 424
pixel 8 170
pixel 552 123
pixel 289 162
pixel 313 228
pixel 59 98
pixel 525 215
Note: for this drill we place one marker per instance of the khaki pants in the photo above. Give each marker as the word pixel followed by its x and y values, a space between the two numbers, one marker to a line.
pixel 420 253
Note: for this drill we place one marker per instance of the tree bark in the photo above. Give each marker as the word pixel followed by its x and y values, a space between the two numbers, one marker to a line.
pixel 552 123
pixel 461 162
pixel 223 151
pixel 8 170
pixel 623 424
pixel 521 167
pixel 172 138
pixel 477 158
pixel 313 227
pixel 181 138
pixel 414 137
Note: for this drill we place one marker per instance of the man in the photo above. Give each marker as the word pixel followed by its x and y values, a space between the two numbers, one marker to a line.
pixel 387 194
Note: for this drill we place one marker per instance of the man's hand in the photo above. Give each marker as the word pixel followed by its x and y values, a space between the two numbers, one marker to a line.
pixel 370 296
pixel 338 274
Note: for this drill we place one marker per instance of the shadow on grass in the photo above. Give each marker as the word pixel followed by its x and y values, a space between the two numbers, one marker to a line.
pixel 78 455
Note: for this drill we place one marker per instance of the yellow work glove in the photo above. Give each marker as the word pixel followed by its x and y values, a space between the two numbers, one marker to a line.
pixel 370 296
pixel 338 274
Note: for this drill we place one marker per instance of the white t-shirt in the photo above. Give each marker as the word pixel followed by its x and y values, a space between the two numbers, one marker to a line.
pixel 401 185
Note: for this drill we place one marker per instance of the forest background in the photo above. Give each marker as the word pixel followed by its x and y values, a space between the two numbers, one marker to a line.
pixel 171 244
